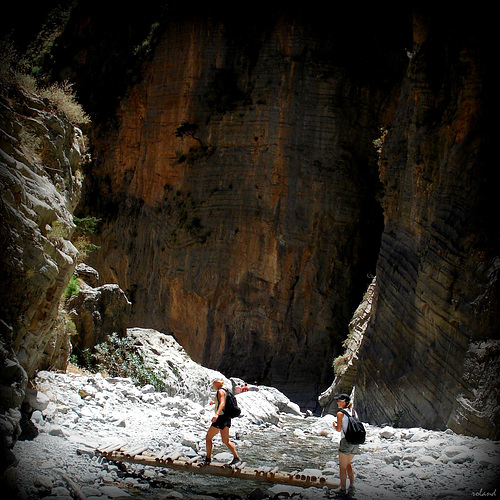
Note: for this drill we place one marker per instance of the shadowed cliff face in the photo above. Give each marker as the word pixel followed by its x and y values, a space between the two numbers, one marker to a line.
pixel 430 353
pixel 40 154
pixel 253 246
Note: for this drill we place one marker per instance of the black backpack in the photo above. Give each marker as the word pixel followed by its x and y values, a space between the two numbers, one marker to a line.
pixel 231 410
pixel 355 433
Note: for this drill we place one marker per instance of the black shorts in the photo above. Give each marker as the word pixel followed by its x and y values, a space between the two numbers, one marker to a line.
pixel 221 422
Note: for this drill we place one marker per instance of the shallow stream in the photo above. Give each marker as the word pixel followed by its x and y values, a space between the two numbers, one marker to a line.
pixel 264 447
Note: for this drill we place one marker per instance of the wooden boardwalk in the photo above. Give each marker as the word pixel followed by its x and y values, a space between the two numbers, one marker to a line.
pixel 118 452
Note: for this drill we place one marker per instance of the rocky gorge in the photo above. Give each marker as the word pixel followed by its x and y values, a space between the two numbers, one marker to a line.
pixel 258 182
pixel 78 412
pixel 323 151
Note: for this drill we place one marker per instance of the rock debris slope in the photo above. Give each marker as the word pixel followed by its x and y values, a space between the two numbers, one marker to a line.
pixel 77 413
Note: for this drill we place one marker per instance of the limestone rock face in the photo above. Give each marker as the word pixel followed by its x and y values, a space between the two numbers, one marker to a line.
pixel 251 245
pixel 429 351
pixel 346 365
pixel 40 189
pixel 97 313
pixel 39 155
pixel 251 240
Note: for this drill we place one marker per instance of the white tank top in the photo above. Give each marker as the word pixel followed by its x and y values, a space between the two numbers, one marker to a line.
pixel 345 421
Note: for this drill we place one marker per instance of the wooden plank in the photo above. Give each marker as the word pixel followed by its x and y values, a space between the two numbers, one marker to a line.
pixel 173 456
pixel 115 446
pixel 268 474
pixel 135 451
pixel 161 454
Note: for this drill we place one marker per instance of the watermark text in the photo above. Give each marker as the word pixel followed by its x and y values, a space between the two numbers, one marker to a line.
pixel 482 493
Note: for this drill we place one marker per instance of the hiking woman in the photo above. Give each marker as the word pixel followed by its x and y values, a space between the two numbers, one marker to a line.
pixel 220 423
pixel 346 450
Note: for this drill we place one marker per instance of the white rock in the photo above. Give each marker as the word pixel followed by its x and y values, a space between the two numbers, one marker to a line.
pixel 113 491
pixel 256 408
pixel 190 439
pixel 299 433
pixel 37 399
pixel 312 472
pixel 60 491
pixel 420 435
pixel 281 489
pixel 426 460
pixel 91 492
pixel 56 430
pixel 43 481
pixel 90 412
pixel 37 417
pixel 387 433
pixel 174 494
pixel 148 389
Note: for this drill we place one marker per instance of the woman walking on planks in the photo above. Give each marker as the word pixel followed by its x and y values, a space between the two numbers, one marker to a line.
pixel 220 423
pixel 346 450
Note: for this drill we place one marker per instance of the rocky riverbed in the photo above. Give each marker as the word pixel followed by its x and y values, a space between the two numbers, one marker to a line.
pixel 77 412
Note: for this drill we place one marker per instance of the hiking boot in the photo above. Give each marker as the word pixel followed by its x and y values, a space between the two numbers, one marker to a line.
pixel 235 461
pixel 351 490
pixel 341 492
pixel 206 461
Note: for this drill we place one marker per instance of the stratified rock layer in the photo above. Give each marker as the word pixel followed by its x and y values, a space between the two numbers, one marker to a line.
pixel 429 355
pixel 252 244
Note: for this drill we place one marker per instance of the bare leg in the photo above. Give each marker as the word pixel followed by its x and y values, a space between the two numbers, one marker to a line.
pixel 212 431
pixel 343 463
pixel 350 472
pixel 224 433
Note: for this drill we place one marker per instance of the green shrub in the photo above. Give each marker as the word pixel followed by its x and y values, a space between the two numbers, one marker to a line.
pixel 396 419
pixel 119 357
pixel 72 288
pixel 340 362
pixel 86 225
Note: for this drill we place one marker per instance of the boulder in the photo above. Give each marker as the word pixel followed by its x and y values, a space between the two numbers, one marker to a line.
pixel 97 313
pixel 87 274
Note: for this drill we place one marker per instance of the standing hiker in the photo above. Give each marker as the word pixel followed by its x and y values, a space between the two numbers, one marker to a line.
pixel 346 450
pixel 220 423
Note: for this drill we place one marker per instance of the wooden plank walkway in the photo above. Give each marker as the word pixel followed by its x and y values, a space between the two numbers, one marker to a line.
pixel 118 452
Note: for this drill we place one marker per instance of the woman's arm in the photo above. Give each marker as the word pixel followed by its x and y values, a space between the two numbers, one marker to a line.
pixel 222 402
pixel 337 424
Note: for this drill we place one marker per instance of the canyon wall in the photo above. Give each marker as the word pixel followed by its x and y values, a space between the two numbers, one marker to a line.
pixel 252 241
pixel 40 152
pixel 430 355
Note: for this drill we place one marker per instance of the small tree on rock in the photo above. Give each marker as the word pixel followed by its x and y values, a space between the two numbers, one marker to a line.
pixel 190 130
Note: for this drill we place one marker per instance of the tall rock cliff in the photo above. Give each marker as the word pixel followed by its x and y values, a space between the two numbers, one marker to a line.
pixel 430 354
pixel 251 240
pixel 40 152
